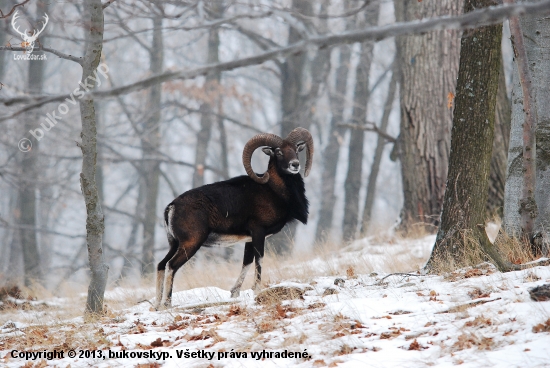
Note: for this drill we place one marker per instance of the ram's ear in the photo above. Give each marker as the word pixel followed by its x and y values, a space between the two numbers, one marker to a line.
pixel 301 146
pixel 268 151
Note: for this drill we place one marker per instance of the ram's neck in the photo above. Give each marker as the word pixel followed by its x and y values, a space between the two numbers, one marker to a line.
pixel 292 189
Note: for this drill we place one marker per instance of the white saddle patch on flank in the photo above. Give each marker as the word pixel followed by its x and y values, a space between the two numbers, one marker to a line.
pixel 225 240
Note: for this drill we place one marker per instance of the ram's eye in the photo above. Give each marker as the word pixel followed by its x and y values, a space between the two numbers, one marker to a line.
pixel 279 153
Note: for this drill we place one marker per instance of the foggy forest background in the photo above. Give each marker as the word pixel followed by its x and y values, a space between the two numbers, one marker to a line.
pixel 380 114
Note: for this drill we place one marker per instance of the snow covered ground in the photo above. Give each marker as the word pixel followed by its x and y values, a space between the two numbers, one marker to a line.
pixel 474 317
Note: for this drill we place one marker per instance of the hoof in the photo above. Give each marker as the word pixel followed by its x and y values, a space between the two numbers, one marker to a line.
pixel 235 293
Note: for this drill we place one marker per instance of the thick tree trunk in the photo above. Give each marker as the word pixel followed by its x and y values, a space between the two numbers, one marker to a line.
pixel 514 171
pixel 497 176
pixel 528 205
pixel 463 216
pixel 380 144
pixel 537 41
pixel 352 184
pixel 429 67
pixel 536 32
pixel 93 20
pixel 151 145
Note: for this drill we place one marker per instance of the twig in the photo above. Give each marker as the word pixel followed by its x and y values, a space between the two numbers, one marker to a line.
pixel 397 274
pixel 371 127
pixel 109 2
pixel 2 15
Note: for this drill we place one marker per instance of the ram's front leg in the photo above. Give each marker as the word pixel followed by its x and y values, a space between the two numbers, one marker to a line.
pixel 247 262
pixel 258 257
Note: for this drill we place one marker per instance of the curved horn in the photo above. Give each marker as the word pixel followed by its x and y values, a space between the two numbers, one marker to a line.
pixel 257 141
pixel 303 135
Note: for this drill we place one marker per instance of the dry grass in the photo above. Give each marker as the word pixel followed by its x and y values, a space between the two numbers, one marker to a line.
pixel 514 250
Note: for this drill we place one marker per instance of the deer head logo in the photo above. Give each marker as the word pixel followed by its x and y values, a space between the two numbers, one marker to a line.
pixel 28 40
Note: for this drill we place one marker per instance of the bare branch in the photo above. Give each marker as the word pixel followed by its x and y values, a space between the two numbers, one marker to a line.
pixel 371 127
pixel 2 15
pixel 478 18
pixel 109 2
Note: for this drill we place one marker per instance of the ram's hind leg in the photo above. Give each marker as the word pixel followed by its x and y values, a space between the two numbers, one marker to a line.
pixel 247 262
pixel 174 243
pixel 186 249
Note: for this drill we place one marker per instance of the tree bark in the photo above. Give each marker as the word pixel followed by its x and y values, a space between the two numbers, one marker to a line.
pixel 497 176
pixel 292 107
pixel 536 32
pixel 463 217
pixel 337 100
pixel 27 179
pixel 207 107
pixel 528 206
pixel 352 184
pixel 151 145
pixel 93 19
pixel 203 138
pixel 380 144
pixel 332 150
pixel 429 67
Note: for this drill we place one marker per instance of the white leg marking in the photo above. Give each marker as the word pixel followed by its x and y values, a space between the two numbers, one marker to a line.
pixel 237 288
pixel 160 284
pixel 257 279
pixel 168 282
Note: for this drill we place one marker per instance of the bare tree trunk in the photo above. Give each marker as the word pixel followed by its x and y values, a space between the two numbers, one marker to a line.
pixel 203 138
pixel 528 206
pixel 15 270
pixel 292 103
pixel 332 150
pixel 207 107
pixel 151 145
pixel 292 75
pixel 429 67
pixel 497 177
pixel 536 32
pixel 93 20
pixel 131 244
pixel 352 185
pixel 27 184
pixel 463 216
pixel 337 98
pixel 380 144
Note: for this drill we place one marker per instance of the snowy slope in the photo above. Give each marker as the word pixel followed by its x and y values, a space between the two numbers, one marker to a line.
pixel 475 317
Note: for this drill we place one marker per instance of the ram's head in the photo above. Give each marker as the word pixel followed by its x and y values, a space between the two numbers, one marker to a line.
pixel 284 151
